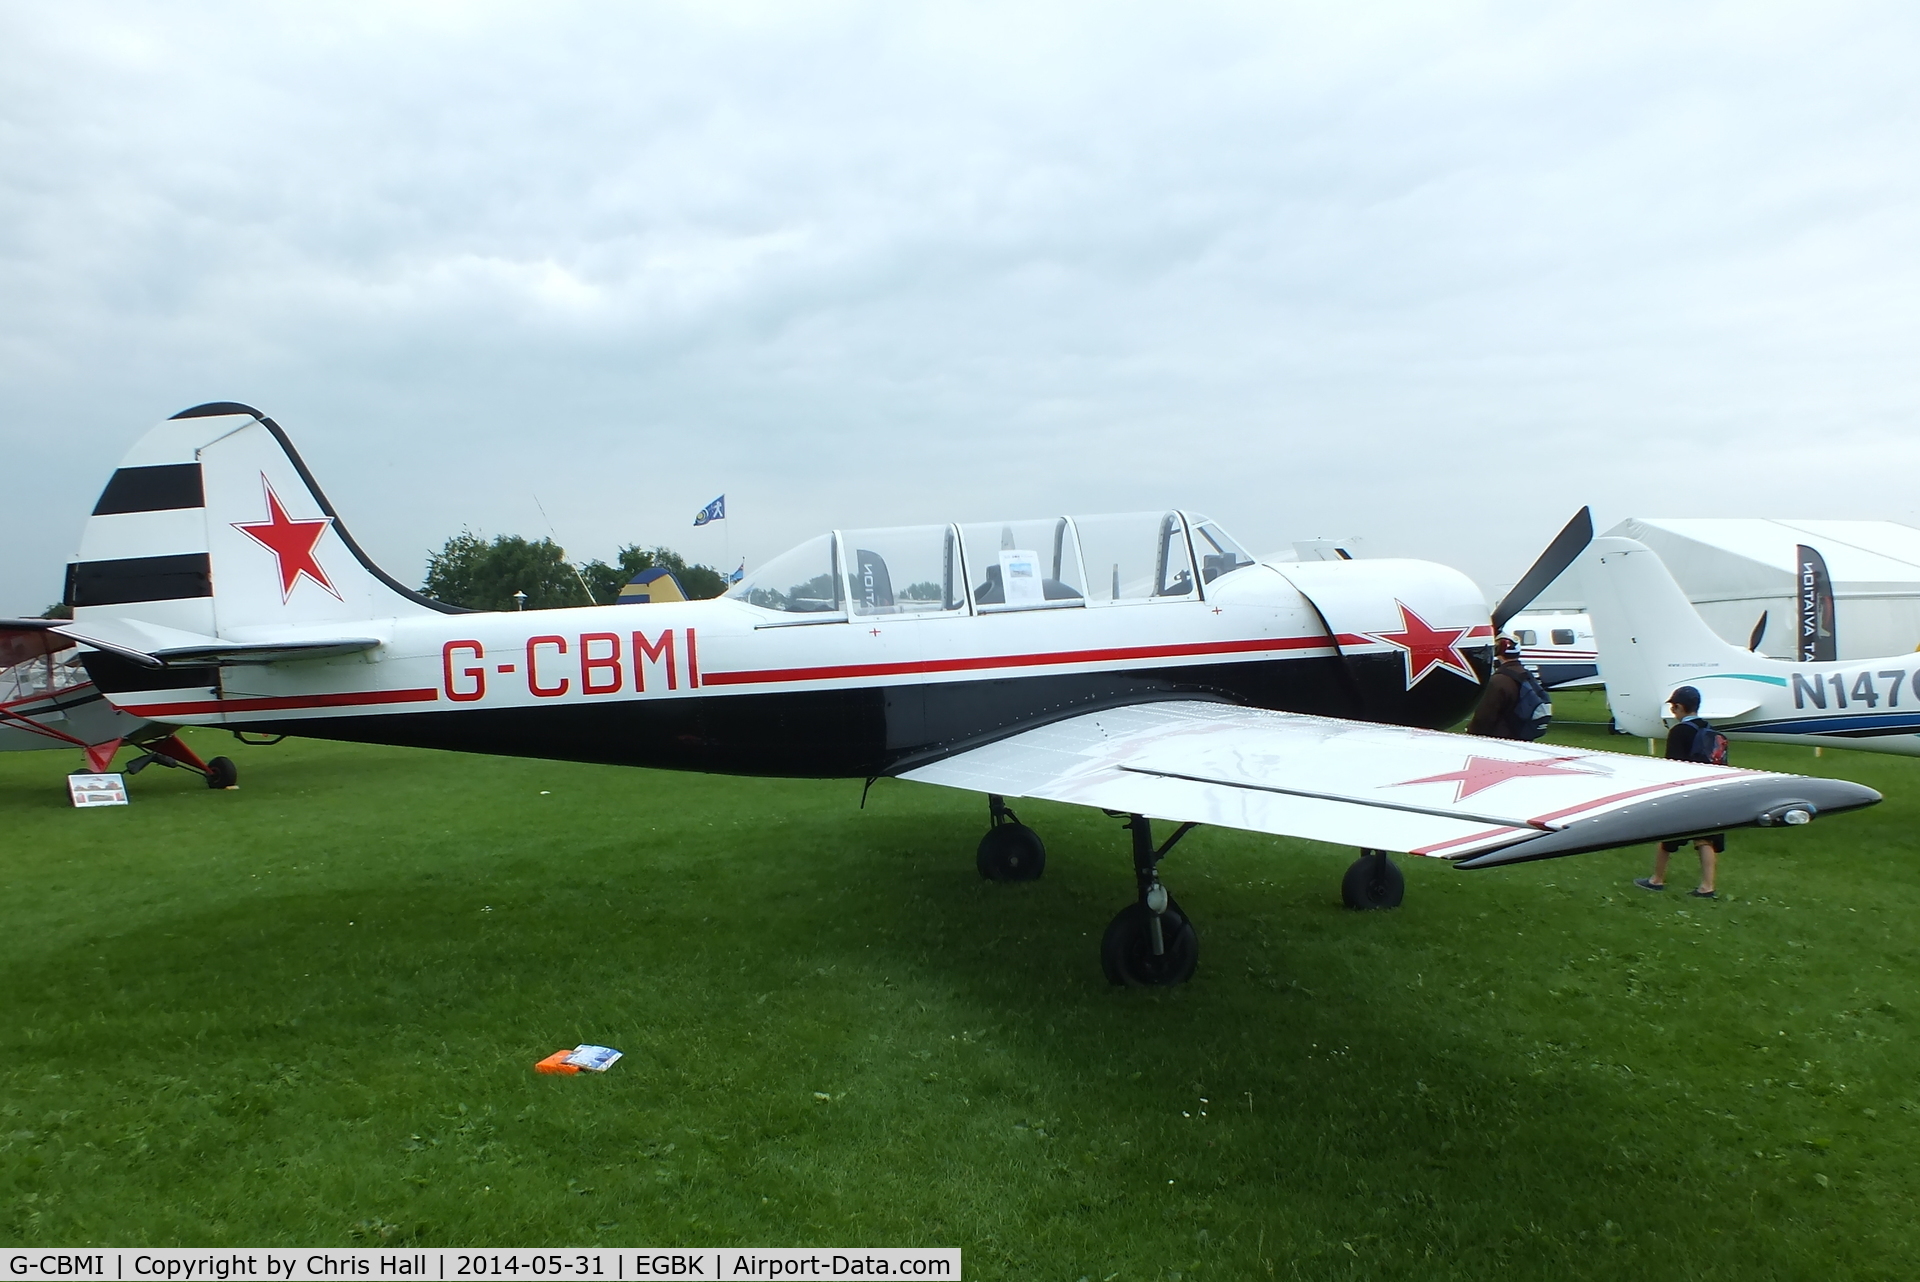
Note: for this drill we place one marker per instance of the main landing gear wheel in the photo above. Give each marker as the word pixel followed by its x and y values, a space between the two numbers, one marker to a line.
pixel 1010 851
pixel 1127 951
pixel 1151 942
pixel 1373 881
pixel 222 773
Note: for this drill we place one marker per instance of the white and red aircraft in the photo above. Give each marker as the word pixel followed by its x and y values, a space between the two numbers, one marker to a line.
pixel 1143 664
pixel 47 700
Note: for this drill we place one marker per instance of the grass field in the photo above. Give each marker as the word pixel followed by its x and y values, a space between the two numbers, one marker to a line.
pixel 306 1012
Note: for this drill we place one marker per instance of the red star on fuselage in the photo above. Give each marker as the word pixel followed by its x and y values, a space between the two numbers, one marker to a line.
pixel 1482 773
pixel 1426 647
pixel 291 542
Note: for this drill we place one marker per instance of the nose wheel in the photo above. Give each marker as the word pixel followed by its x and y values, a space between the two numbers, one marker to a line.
pixel 1010 851
pixel 1150 942
pixel 1373 881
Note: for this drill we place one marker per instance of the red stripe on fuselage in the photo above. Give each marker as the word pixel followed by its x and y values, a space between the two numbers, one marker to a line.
pixel 920 666
pixel 282 703
pixel 1481 633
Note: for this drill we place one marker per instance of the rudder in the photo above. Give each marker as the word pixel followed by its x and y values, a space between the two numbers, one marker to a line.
pixel 1648 633
pixel 212 525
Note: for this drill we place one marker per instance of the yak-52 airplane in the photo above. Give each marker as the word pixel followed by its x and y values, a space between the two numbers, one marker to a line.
pixel 47 700
pixel 1143 664
pixel 1652 640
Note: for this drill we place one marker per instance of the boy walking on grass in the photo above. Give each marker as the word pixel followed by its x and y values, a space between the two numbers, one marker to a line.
pixel 1685 742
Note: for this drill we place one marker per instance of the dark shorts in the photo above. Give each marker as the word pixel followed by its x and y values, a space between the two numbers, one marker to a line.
pixel 1719 840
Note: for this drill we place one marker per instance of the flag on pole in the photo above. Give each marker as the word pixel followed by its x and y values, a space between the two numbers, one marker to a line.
pixel 714 511
pixel 738 574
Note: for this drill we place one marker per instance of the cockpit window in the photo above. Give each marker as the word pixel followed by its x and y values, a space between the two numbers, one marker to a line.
pixel 801 581
pixel 1136 556
pixel 1217 551
pixel 905 570
pixel 1023 565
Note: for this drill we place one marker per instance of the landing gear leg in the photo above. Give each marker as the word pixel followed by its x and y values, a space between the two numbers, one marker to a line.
pixel 1373 881
pixel 173 753
pixel 1150 942
pixel 1010 851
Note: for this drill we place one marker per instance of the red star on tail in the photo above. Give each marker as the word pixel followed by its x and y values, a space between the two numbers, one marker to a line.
pixel 1426 647
pixel 1481 773
pixel 291 542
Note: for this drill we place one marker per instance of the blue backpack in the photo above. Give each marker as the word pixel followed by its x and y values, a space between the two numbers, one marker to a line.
pixel 1532 712
pixel 1709 745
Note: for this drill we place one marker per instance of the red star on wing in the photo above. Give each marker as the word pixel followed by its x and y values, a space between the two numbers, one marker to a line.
pixel 1482 773
pixel 1426 647
pixel 291 542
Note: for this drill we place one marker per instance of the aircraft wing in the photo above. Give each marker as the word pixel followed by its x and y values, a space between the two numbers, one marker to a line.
pixel 1425 792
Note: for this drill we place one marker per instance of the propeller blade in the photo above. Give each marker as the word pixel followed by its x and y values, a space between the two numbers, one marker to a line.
pixel 1560 554
pixel 1759 630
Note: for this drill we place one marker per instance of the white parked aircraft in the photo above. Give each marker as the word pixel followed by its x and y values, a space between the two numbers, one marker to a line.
pixel 1652 640
pixel 1558 647
pixel 47 700
pixel 1140 663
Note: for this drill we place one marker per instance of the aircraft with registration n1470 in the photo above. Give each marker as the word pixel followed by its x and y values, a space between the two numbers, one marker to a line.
pixel 1143 664
pixel 1651 640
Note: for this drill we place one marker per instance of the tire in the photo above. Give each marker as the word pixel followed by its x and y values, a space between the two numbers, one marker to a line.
pixel 1126 950
pixel 222 773
pixel 1011 852
pixel 1373 881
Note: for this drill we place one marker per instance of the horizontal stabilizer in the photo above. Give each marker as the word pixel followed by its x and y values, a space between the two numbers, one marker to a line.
pixel 152 646
pixel 229 654
pixel 1720 705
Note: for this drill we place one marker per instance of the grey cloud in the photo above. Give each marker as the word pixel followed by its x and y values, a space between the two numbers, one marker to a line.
pixel 1434 276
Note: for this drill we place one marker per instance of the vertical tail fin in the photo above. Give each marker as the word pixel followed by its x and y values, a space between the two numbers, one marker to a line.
pixel 1650 637
pixel 213 525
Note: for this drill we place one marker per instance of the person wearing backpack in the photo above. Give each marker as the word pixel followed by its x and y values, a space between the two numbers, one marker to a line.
pixel 1691 739
pixel 1513 706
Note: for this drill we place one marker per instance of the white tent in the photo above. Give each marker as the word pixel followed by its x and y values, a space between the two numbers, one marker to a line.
pixel 1734 568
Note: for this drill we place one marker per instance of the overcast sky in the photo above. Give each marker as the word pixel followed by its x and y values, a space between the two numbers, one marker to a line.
pixel 1431 275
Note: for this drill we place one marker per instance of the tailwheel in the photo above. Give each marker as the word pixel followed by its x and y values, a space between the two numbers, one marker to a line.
pixel 1373 881
pixel 222 773
pixel 1010 851
pixel 1128 951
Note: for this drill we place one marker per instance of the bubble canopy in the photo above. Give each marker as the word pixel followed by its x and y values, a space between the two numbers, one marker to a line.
pixel 987 567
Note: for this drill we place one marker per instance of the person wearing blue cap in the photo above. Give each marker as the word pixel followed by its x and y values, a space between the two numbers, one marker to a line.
pixel 1690 739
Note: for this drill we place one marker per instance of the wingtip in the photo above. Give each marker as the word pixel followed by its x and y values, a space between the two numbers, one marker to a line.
pixel 1738 803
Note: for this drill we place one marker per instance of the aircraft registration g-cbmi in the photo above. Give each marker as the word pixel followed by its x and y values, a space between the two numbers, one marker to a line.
pixel 1143 664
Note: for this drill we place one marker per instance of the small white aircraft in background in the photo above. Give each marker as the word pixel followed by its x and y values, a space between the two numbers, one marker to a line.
pixel 47 700
pixel 1557 647
pixel 1142 663
pixel 1652 640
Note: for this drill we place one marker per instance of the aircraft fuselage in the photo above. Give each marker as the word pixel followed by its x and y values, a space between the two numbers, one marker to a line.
pixel 725 686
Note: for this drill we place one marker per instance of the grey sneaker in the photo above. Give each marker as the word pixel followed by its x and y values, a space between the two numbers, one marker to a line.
pixel 1703 894
pixel 1648 883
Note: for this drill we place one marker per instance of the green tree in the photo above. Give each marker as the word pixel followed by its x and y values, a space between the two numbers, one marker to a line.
pixel 61 611
pixel 482 575
pixel 699 581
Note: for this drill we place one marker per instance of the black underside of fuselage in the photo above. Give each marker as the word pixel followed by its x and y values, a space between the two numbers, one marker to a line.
pixel 881 730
